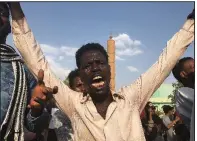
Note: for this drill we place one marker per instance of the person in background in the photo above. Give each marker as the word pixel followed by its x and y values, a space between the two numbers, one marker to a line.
pixel 151 122
pixel 75 82
pixel 184 72
pixel 168 110
pixel 17 84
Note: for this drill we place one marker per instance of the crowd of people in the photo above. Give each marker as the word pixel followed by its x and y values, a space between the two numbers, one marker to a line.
pixel 177 122
pixel 168 127
pixel 37 106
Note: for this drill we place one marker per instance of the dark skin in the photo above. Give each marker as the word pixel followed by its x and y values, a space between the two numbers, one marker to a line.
pixel 40 95
pixel 94 63
pixel 78 84
pixel 188 73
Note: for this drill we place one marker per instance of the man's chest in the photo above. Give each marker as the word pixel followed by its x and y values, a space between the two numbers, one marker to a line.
pixel 120 124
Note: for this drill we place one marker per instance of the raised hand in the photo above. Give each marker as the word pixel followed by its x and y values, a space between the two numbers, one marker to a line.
pixel 40 95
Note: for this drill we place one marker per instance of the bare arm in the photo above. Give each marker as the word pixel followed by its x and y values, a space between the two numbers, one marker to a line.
pixel 143 88
pixel 35 60
pixel 171 124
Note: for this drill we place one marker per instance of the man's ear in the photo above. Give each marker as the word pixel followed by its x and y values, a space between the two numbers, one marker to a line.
pixel 183 74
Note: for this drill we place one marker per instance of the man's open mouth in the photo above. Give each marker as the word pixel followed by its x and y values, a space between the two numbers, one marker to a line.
pixel 98 82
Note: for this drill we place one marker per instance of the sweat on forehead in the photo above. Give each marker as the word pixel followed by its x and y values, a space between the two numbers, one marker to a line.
pixel 89 47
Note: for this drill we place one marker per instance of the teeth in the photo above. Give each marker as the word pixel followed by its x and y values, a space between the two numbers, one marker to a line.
pixel 97 77
pixel 98 84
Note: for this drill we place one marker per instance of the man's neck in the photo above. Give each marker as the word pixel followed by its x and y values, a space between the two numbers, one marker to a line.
pixel 102 106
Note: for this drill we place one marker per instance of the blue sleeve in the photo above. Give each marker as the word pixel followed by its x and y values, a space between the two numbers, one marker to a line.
pixel 35 124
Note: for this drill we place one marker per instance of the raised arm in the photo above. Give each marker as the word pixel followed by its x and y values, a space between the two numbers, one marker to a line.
pixel 143 88
pixel 35 60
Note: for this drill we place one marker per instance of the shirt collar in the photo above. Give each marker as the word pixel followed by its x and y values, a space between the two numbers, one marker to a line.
pixel 85 98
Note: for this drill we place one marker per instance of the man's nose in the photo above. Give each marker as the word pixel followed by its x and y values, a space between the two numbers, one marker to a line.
pixel 95 67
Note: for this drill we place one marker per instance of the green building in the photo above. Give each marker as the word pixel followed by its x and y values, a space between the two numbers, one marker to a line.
pixel 160 97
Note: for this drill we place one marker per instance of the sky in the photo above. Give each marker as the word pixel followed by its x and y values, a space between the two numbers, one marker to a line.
pixel 140 29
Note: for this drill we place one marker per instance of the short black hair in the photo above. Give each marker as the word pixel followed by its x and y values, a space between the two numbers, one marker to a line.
pixel 179 67
pixel 71 76
pixel 88 47
pixel 167 108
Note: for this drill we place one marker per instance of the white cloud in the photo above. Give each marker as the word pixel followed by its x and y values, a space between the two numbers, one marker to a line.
pixel 125 46
pixel 61 58
pixel 47 49
pixel 132 69
pixel 128 52
pixel 57 68
pixel 56 57
pixel 68 51
pixel 119 58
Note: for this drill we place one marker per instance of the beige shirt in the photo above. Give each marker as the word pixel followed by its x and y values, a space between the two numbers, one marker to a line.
pixel 122 121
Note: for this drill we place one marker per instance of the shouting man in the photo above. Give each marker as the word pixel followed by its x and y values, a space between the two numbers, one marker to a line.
pixel 100 115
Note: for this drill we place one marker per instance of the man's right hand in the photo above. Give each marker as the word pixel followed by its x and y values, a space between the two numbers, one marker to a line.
pixel 41 94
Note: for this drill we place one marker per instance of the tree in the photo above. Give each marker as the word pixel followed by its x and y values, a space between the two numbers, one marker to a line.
pixel 176 86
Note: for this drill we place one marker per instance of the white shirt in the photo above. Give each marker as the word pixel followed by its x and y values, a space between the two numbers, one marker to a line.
pixel 170 132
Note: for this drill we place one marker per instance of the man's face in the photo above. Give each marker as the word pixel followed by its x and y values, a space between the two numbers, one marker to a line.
pixel 78 85
pixel 189 71
pixel 95 74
